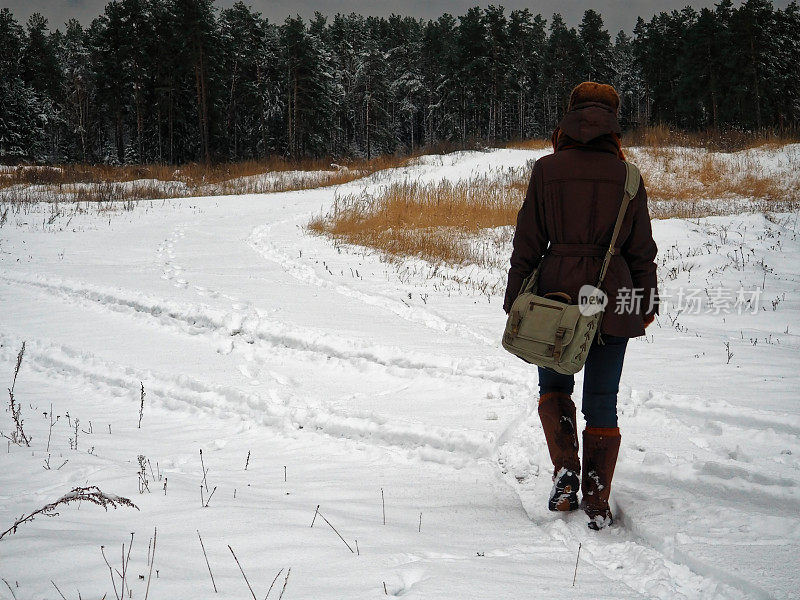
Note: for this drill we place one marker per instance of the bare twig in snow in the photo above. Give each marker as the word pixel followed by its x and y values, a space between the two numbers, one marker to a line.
pixel 273 583
pixel 10 589
pixel 125 561
pixel 335 530
pixel 285 581
pixel 52 423
pixel 209 564
pixel 58 590
pixel 152 561
pixel 110 572
pixel 141 404
pixel 242 570
pixel 203 465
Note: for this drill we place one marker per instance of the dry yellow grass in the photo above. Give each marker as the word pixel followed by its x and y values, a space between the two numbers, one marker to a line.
pixel 693 182
pixel 105 183
pixel 661 136
pixel 439 222
pixel 529 144
pixel 434 221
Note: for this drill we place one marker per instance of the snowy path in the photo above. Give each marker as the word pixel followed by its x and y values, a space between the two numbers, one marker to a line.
pixel 250 336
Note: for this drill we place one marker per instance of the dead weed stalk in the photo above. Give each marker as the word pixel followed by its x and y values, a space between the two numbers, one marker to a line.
pixel 18 436
pixel 91 494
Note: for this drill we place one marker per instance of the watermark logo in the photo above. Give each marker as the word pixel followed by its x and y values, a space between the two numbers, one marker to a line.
pixel 688 301
pixel 591 300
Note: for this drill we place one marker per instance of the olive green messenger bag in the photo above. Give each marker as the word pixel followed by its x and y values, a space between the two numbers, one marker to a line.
pixel 549 331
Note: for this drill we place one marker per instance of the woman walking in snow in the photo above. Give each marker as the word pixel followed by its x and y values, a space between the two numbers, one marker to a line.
pixel 566 222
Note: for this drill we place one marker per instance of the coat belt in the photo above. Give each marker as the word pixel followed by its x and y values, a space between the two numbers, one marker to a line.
pixel 580 250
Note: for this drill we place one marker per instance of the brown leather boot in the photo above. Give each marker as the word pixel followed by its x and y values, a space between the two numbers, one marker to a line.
pixel 600 450
pixel 557 413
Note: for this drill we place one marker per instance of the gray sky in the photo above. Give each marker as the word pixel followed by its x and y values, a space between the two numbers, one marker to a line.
pixel 618 14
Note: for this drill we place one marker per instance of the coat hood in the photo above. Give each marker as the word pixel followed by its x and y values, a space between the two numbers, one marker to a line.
pixel 588 121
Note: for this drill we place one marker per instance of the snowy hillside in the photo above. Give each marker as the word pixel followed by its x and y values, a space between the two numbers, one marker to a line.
pixel 326 385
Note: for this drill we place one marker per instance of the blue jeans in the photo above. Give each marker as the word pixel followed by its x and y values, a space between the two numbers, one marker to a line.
pixel 600 381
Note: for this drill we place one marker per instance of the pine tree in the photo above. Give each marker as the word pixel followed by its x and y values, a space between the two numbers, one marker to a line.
pixel 243 45
pixel 698 98
pixel 439 64
pixel 596 42
pixel 752 31
pixel 106 34
pixel 563 68
pixel 658 47
pixel 345 34
pixel 41 71
pixel 627 80
pixel 195 21
pixel 372 86
pixel 271 86
pixel 134 52
pixel 786 82
pixel 527 37
pixel 473 74
pixel 308 83
pixel 22 123
pixel 74 58
pixel 496 27
pixel 40 66
pixel 406 87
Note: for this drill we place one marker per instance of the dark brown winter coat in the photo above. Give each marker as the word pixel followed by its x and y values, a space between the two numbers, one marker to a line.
pixel 573 197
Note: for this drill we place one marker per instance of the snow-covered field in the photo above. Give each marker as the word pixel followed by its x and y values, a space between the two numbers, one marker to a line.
pixel 325 385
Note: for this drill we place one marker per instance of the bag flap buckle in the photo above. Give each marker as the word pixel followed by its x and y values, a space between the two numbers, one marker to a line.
pixel 558 348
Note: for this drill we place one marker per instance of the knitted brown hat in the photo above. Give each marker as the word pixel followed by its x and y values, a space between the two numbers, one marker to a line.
pixel 590 91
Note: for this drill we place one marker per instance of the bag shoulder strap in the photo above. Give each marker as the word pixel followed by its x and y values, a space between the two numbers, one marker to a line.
pixel 632 179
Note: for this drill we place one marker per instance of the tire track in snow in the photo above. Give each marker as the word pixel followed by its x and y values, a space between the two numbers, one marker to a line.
pixel 714 479
pixel 716 475
pixel 700 410
pixel 283 412
pixel 259 241
pixel 252 328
